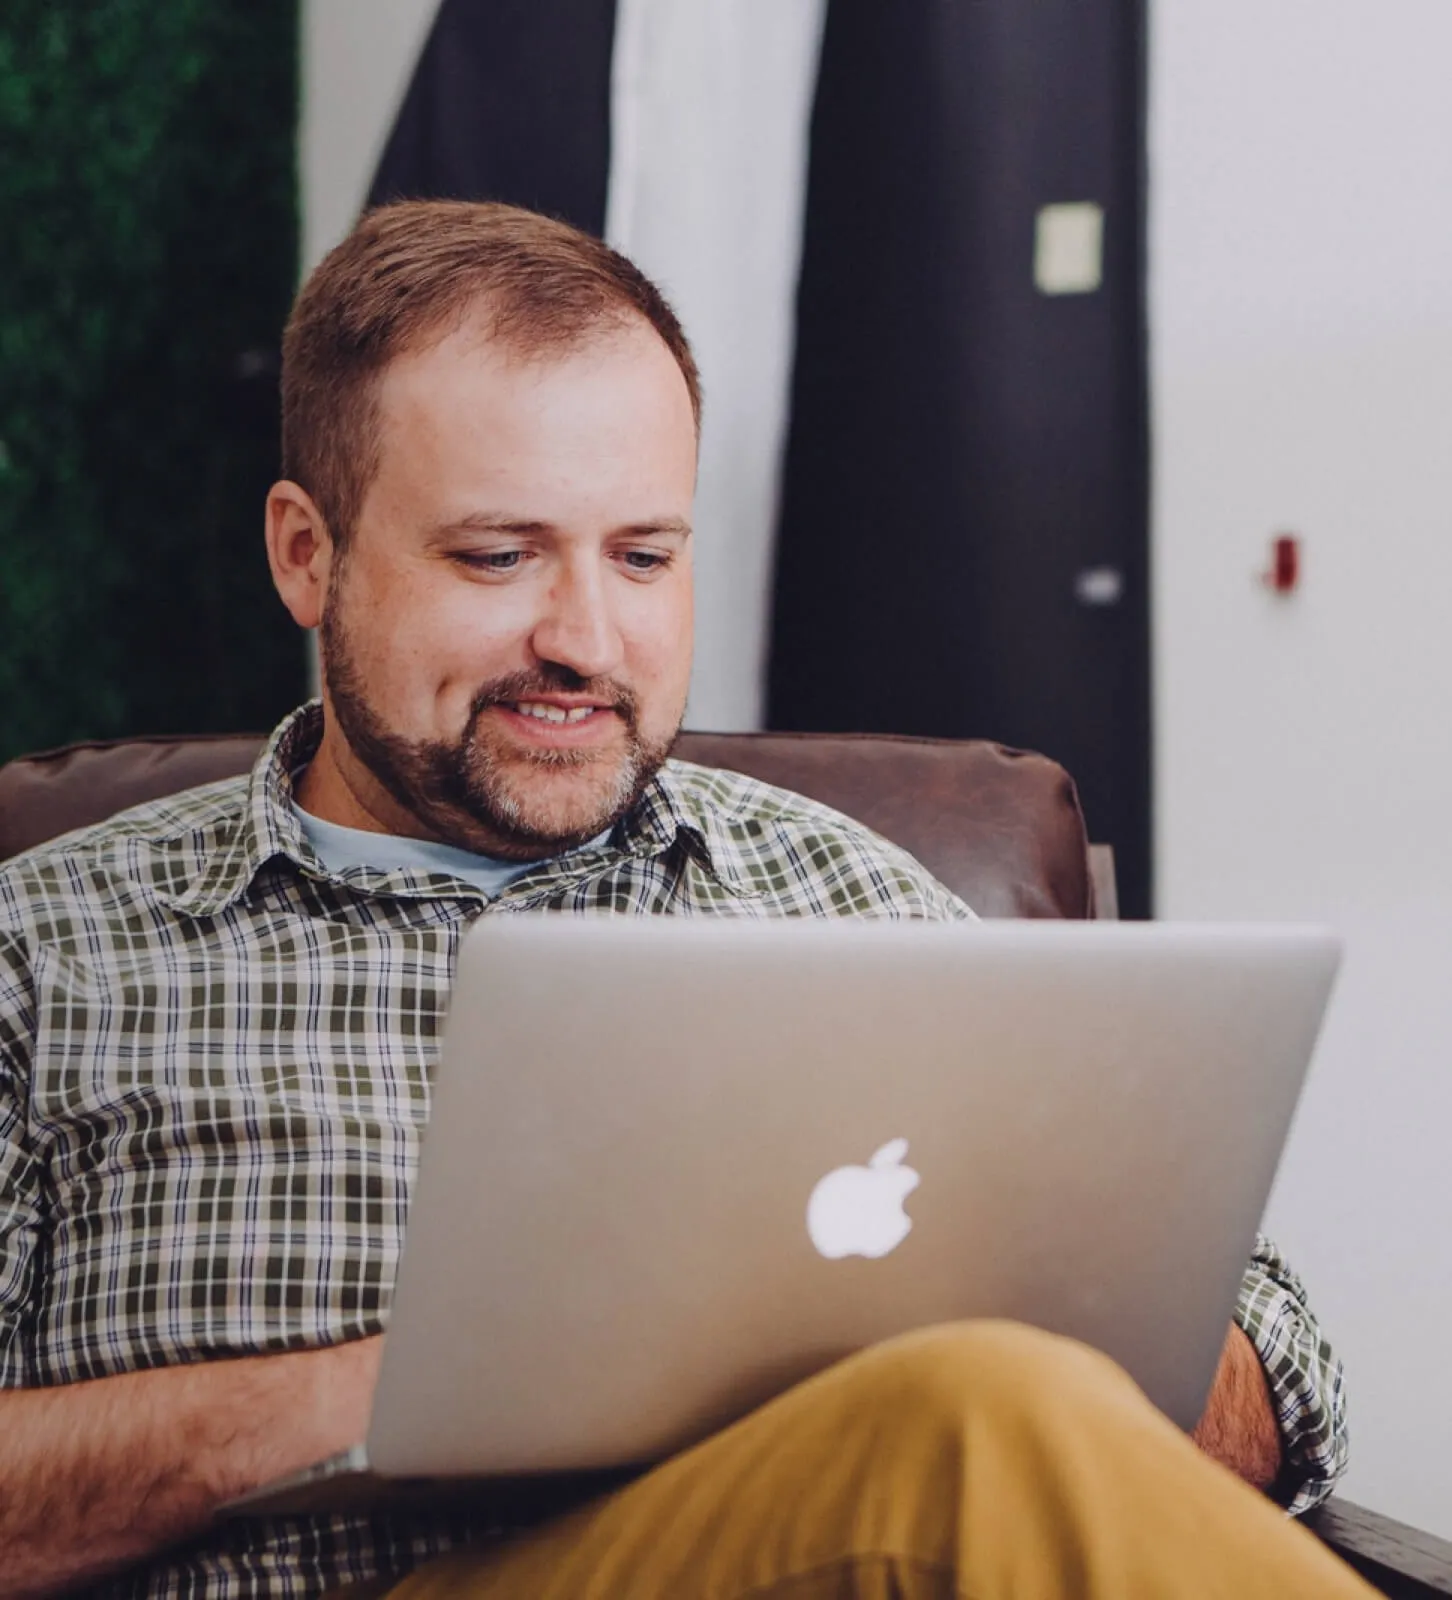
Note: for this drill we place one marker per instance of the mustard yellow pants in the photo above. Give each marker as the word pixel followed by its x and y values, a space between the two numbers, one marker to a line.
pixel 976 1461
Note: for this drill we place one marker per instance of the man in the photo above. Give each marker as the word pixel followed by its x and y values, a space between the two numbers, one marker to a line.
pixel 218 1015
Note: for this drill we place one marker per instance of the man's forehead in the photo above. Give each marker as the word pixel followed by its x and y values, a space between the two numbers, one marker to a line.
pixel 482 345
pixel 469 432
pixel 619 392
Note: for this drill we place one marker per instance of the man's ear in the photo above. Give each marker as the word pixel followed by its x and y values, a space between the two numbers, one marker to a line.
pixel 299 551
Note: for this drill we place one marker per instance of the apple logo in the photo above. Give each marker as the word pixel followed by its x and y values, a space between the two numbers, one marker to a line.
pixel 857 1211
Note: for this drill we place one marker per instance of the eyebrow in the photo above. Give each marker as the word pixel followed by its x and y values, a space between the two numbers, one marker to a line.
pixel 524 527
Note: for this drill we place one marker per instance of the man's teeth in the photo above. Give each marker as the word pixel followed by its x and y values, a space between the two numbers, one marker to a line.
pixel 532 708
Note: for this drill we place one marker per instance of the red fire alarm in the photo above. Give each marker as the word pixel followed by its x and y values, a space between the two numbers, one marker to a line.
pixel 1284 572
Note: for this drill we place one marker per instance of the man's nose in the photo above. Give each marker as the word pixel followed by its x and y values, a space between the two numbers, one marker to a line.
pixel 577 629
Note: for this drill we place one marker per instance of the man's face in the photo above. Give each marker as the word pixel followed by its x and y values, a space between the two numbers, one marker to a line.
pixel 506 643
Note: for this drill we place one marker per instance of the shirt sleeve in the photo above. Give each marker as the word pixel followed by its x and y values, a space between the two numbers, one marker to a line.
pixel 19 1198
pixel 1307 1382
pixel 931 900
pixel 947 907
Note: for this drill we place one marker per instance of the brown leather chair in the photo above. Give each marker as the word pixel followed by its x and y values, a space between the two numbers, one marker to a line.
pixel 1002 828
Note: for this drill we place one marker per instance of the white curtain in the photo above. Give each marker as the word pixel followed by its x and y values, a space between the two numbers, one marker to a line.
pixel 711 105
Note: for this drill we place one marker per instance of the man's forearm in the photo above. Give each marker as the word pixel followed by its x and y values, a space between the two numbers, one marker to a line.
pixel 1239 1427
pixel 95 1476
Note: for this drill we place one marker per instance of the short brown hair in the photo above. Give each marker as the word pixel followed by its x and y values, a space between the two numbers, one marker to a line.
pixel 406 274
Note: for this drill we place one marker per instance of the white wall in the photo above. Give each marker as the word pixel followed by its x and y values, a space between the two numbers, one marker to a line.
pixel 1301 316
pixel 357 59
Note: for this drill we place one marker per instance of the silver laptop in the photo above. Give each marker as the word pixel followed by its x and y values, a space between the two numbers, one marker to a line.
pixel 676 1166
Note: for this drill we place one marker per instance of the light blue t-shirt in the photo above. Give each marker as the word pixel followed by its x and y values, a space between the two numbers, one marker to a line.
pixel 338 848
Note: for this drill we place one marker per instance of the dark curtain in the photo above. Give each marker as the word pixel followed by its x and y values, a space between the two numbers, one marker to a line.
pixel 963 448
pixel 510 101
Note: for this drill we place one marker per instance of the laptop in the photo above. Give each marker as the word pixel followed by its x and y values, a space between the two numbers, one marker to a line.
pixel 675 1166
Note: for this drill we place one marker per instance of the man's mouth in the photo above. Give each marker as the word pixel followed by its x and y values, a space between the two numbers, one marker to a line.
pixel 548 713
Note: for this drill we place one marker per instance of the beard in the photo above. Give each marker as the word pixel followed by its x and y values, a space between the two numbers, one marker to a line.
pixel 482 793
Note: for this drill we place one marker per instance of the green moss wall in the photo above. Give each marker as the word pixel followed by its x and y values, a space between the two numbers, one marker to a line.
pixel 148 249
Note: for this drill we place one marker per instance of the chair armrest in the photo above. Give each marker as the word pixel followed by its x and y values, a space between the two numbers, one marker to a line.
pixel 1398 1560
pixel 1106 885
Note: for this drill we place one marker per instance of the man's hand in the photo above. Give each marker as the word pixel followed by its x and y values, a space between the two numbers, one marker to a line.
pixel 95 1476
pixel 1239 1427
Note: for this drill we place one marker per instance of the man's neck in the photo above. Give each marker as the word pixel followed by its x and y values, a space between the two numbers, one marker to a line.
pixel 334 788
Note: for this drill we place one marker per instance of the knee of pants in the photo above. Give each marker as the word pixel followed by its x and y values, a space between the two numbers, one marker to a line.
pixel 967 1374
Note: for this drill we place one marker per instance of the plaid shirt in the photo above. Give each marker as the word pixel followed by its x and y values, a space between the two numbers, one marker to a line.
pixel 214 1070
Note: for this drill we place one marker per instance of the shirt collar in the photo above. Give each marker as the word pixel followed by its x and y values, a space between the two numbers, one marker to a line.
pixel 671 809
pixel 267 827
pixel 668 812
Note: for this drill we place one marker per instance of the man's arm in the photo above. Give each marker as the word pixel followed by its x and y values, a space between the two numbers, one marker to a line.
pixel 1277 1408
pixel 1305 1377
pixel 1239 1427
pixel 95 1476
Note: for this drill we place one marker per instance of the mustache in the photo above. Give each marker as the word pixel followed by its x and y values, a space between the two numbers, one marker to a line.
pixel 553 679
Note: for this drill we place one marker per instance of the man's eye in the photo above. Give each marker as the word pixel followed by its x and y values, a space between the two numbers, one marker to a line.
pixel 646 560
pixel 493 560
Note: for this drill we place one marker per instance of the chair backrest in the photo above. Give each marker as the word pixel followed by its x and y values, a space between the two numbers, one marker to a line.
pixel 1002 828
